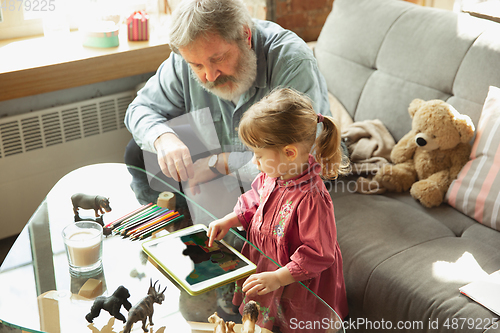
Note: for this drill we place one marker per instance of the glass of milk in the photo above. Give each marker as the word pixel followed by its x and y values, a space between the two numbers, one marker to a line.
pixel 83 242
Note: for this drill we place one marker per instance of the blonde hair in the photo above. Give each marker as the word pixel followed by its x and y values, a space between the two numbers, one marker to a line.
pixel 286 116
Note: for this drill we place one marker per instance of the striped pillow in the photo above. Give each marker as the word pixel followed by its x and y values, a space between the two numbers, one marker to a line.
pixel 476 191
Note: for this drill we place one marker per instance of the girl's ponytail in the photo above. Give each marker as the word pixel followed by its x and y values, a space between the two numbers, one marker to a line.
pixel 328 151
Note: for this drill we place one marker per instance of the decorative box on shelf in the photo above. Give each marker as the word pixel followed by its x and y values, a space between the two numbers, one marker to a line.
pixel 138 26
pixel 100 34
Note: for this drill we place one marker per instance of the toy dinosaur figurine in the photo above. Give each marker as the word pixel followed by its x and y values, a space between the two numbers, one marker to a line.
pixel 220 325
pixel 85 201
pixel 144 308
pixel 112 304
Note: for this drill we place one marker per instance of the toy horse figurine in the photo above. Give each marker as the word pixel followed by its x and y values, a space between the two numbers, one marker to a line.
pixel 250 317
pixel 96 202
pixel 220 325
pixel 144 308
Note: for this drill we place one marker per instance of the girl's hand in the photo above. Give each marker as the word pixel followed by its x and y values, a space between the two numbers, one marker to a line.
pixel 261 283
pixel 216 231
pixel 219 228
pixel 266 282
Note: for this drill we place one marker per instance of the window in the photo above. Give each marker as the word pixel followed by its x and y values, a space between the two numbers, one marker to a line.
pixel 26 17
pixel 13 23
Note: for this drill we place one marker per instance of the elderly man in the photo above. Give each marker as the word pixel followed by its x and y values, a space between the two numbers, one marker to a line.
pixel 222 63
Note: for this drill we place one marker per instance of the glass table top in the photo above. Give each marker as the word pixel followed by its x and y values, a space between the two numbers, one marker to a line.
pixel 38 294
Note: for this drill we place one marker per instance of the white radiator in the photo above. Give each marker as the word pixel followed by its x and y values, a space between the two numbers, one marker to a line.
pixel 38 148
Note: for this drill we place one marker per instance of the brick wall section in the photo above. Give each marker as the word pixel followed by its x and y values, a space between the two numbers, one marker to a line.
pixel 257 8
pixel 304 17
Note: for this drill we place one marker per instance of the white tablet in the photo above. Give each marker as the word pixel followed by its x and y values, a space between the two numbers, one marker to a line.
pixel 185 256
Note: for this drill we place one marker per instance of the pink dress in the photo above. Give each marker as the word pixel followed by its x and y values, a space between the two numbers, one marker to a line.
pixel 293 223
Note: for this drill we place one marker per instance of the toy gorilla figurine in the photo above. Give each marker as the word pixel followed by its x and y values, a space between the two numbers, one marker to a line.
pixel 112 304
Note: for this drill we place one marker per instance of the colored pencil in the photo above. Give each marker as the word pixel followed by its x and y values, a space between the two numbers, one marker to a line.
pixel 134 216
pixel 119 220
pixel 150 223
pixel 147 233
pixel 164 219
pixel 143 220
pixel 146 212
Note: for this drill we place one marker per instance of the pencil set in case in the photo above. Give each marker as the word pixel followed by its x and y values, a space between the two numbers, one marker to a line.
pixel 144 221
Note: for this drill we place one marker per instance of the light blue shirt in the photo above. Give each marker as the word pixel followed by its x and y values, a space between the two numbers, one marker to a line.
pixel 283 60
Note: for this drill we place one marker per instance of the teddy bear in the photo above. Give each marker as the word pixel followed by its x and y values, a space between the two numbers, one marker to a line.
pixel 428 158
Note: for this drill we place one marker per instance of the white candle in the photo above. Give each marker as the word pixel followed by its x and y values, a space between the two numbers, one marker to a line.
pixel 84 247
pixel 83 242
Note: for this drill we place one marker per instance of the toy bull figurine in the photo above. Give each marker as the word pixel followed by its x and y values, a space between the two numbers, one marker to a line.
pixel 144 308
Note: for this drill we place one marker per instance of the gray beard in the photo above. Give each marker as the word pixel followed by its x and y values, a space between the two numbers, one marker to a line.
pixel 246 72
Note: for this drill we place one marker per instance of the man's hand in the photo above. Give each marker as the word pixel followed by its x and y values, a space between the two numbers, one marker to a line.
pixel 202 174
pixel 174 157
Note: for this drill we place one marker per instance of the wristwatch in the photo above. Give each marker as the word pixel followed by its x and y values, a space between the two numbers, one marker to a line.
pixel 212 162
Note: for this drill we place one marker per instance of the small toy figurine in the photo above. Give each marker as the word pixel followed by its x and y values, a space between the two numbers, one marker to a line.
pixel 250 316
pixel 112 304
pixel 144 308
pixel 220 325
pixel 85 201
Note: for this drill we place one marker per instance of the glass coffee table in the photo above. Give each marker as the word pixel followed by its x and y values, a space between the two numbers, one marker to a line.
pixel 38 294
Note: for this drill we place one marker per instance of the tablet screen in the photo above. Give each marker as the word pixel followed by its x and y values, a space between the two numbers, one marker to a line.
pixel 187 256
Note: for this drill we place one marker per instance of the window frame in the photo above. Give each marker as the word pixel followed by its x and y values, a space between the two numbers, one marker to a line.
pixel 14 25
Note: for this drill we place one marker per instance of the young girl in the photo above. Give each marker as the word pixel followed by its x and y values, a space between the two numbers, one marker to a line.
pixel 288 213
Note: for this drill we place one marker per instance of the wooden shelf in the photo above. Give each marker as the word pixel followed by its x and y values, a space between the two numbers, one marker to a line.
pixel 31 66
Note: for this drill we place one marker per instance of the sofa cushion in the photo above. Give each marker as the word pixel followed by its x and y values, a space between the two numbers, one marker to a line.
pixel 476 191
pixel 339 113
pixel 420 284
pixel 378 55
pixel 369 234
